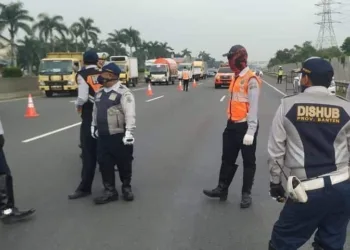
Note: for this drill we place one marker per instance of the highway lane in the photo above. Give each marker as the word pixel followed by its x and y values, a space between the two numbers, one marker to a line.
pixel 177 154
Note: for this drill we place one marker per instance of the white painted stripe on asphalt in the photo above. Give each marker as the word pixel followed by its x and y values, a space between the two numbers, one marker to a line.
pixel 72 101
pixel 273 87
pixel 51 133
pixel 222 98
pixel 138 89
pixel 199 83
pixel 18 99
pixel 156 98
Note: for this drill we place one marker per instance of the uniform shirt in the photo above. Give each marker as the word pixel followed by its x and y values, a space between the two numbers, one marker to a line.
pixel 114 109
pixel 348 93
pixel 1 129
pixel 310 135
pixel 83 89
pixel 253 99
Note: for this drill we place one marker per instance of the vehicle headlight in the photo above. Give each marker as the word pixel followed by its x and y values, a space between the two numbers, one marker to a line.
pixel 42 83
pixel 70 83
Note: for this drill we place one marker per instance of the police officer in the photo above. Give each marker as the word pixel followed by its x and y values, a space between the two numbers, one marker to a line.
pixel 113 124
pixel 279 75
pixel 8 212
pixel 102 57
pixel 310 136
pixel 87 86
pixel 186 78
pixel 241 129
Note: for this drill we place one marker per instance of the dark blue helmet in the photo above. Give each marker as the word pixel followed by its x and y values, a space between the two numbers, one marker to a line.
pixel 90 57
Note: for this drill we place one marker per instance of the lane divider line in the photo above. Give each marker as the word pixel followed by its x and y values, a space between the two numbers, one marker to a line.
pixel 138 89
pixel 222 98
pixel 276 89
pixel 156 98
pixel 51 133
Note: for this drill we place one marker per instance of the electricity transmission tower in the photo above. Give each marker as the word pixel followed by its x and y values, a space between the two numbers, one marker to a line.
pixel 326 36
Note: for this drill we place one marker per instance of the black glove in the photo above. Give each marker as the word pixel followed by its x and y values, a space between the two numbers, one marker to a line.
pixel 277 192
pixel 2 141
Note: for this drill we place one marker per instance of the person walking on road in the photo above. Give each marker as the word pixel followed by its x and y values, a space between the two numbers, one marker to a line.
pixel 242 128
pixel 279 75
pixel 87 87
pixel 186 78
pixel 9 213
pixel 113 125
pixel 310 136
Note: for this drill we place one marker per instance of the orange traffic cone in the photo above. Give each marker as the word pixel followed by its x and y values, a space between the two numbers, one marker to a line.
pixel 30 112
pixel 179 87
pixel 194 84
pixel 149 90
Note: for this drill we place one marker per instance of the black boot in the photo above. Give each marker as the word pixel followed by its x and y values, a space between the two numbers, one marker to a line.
pixel 110 194
pixel 248 181
pixel 127 193
pixel 226 175
pixel 316 246
pixel 8 212
pixel 271 247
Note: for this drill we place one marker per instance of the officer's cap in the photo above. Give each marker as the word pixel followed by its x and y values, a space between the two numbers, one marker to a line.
pixel 90 57
pixel 236 49
pixel 318 69
pixel 111 68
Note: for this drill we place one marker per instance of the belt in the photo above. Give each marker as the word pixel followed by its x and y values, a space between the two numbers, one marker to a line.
pixel 319 182
pixel 239 121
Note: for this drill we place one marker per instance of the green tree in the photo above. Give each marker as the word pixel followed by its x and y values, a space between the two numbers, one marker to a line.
pixel 89 31
pixel 15 18
pixel 29 53
pixel 132 37
pixel 345 47
pixel 48 27
pixel 186 52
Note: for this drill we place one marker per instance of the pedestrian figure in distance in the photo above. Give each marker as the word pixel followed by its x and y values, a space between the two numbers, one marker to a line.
pixel 186 78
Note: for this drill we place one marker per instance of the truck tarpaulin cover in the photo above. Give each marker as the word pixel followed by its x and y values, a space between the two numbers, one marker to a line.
pixel 170 62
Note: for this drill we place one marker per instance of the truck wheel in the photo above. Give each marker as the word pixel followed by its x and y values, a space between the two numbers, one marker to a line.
pixel 167 82
pixel 173 82
pixel 217 86
pixel 153 83
pixel 133 82
pixel 48 93
pixel 74 93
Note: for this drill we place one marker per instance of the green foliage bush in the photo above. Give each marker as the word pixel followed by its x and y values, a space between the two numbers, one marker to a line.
pixel 11 72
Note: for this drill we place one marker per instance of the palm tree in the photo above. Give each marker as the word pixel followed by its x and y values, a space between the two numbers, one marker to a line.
pixel 48 26
pixel 76 32
pixel 89 31
pixel 133 38
pixel 186 52
pixel 15 18
pixel 29 52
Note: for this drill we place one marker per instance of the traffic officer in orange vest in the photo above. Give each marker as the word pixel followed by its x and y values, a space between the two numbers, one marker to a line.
pixel 242 128
pixel 87 87
pixel 185 78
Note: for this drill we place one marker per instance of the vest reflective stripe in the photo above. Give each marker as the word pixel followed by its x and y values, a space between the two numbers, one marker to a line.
pixel 238 106
pixel 280 72
pixel 185 75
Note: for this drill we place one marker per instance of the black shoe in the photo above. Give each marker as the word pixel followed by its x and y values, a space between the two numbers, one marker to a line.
pixel 107 197
pixel 218 192
pixel 127 194
pixel 78 194
pixel 246 200
pixel 13 215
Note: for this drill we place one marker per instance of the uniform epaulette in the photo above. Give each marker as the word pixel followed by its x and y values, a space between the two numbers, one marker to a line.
pixel 340 97
pixel 284 97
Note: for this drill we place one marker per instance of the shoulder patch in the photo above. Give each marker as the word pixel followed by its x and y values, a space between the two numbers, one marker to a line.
pixel 340 97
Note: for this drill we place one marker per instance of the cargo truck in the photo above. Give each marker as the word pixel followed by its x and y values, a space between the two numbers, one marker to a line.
pixel 129 68
pixel 164 70
pixel 148 65
pixel 57 72
pixel 200 69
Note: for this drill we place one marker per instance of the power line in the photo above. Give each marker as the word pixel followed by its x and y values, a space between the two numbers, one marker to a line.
pixel 326 35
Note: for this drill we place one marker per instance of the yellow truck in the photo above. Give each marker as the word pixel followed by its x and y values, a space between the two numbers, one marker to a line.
pixel 200 69
pixel 57 72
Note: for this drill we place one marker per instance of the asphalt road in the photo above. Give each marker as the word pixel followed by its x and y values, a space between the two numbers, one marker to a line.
pixel 177 154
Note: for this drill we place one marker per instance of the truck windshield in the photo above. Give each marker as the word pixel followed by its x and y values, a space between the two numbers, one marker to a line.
pixel 158 69
pixel 225 70
pixel 122 67
pixel 181 67
pixel 147 68
pixel 52 67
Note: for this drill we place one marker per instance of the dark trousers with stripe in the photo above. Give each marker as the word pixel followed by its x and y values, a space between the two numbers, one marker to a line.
pixel 7 199
pixel 327 212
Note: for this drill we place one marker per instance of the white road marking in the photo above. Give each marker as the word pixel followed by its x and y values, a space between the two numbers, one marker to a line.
pixel 72 101
pixel 51 133
pixel 138 89
pixel 18 99
pixel 222 98
pixel 279 91
pixel 156 98
pixel 199 83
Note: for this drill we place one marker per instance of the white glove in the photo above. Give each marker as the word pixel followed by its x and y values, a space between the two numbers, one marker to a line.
pixel 94 132
pixel 248 140
pixel 128 138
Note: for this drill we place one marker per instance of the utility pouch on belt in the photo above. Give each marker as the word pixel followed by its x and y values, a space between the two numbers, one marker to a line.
pixel 295 190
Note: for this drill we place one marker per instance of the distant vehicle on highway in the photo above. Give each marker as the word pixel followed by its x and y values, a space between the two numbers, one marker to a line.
pixel 164 70
pixel 224 77
pixel 211 72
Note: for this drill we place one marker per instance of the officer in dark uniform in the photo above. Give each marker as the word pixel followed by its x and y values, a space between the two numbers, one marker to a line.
pixel 113 125
pixel 310 137
pixel 88 86
pixel 8 212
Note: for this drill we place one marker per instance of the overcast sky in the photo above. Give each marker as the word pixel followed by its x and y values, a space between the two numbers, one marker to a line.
pixel 210 25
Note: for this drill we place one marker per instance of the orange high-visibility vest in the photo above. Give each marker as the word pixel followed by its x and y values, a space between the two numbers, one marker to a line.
pixel 185 75
pixel 238 106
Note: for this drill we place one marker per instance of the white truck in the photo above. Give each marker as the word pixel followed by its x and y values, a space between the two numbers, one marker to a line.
pixel 200 70
pixel 129 68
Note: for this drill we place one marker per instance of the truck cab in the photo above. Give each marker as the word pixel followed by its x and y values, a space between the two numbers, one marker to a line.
pixel 57 73
pixel 159 73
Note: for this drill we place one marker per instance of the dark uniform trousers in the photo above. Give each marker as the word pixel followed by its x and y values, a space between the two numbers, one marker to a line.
pixel 327 211
pixel 232 145
pixel 6 183
pixel 111 151
pixel 186 82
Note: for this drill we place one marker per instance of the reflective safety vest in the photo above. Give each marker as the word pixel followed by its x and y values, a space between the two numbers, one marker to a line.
pixel 185 75
pixel 280 72
pixel 238 106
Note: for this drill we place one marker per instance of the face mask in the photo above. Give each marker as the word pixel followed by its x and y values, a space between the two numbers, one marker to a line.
pixel 103 81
